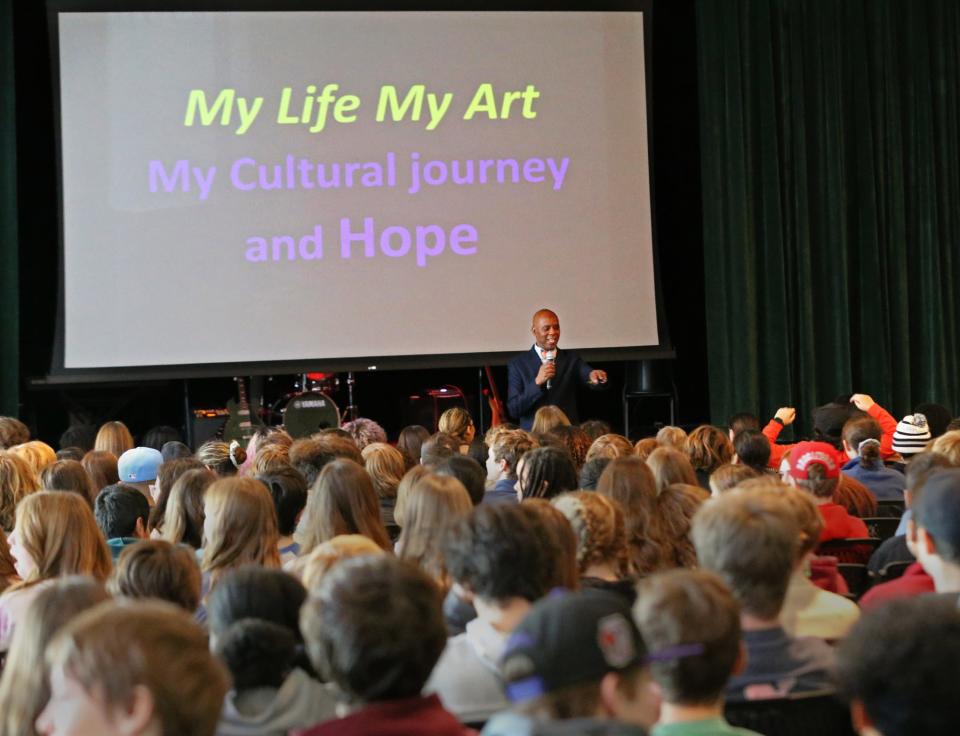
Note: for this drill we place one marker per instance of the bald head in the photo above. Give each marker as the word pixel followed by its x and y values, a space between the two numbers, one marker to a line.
pixel 546 329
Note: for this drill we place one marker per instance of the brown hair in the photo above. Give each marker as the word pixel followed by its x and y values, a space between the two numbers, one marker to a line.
pixel 407 482
pixel 341 501
pixel 410 441
pixel 101 466
pixel 750 539
pixel 310 455
pixel 817 481
pixel 729 476
pixel 599 527
pixel 244 526
pixel 8 568
pixel 854 496
pixel 183 517
pixel 324 556
pixel 25 684
pixel 611 446
pixel 657 523
pixel 554 529
pixel 670 466
pixel 167 475
pixel 575 440
pixel 385 466
pixel 859 429
pixel 117 647
pixel 37 454
pixel 12 432
pixel 674 437
pixel 456 422
pixel 17 479
pixel 548 417
pixel 60 533
pixel 644 447
pixel 511 445
pixel 270 456
pixel 579 701
pixel 154 568
pixel 708 448
pixel 113 437
pixel 434 503
pixel 690 607
pixel 68 475
pixel 808 517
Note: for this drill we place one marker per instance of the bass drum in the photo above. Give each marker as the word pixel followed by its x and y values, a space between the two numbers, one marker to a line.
pixel 310 412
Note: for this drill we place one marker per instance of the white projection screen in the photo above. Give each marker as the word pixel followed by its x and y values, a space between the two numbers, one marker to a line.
pixel 280 187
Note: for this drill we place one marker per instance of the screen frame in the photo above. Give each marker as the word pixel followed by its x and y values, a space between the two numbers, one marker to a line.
pixel 59 374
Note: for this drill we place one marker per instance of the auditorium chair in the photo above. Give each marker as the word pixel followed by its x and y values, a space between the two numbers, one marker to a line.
pixel 891 571
pixel 857 578
pixel 882 527
pixel 849 550
pixel 890 508
pixel 815 714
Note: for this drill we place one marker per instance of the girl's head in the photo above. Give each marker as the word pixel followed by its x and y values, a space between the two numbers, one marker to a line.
pixel 17 479
pixel 114 437
pixel 222 458
pixel 56 535
pixel 458 423
pixel 240 526
pixel 708 448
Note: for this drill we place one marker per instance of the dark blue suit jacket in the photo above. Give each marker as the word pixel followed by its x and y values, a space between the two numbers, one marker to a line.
pixel 524 396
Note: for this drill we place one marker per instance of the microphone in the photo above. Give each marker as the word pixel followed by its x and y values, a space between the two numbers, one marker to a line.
pixel 551 357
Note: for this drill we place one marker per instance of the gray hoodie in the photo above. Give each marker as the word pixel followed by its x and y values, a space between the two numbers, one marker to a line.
pixel 299 703
pixel 509 723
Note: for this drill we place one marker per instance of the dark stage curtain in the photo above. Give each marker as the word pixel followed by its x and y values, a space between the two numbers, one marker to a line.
pixel 9 311
pixel 830 136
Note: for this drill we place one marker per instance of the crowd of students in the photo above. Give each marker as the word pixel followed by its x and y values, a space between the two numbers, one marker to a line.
pixel 557 581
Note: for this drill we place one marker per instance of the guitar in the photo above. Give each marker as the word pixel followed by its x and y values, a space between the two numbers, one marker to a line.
pixel 498 413
pixel 242 423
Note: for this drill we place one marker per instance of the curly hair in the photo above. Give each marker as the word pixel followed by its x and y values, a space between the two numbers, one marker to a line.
pixel 365 431
pixel 599 526
pixel 708 448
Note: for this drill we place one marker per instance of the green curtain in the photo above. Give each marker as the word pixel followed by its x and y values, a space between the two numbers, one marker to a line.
pixel 9 293
pixel 830 139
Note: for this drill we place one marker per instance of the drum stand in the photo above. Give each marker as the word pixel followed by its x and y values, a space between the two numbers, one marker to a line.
pixel 351 412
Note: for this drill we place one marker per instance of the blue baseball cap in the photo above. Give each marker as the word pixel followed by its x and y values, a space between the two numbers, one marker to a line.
pixel 139 465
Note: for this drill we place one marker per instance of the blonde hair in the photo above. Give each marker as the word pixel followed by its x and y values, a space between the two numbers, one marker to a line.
pixel 341 501
pixel 644 447
pixel 244 526
pixel 222 458
pixel 548 417
pixel 456 422
pixel 113 437
pixel 61 535
pixel 269 456
pixel 25 684
pixel 611 446
pixel 12 432
pixel 948 445
pixel 432 505
pixel 671 436
pixel 324 556
pixel 119 646
pixel 409 479
pixel 729 476
pixel 386 467
pixel 37 454
pixel 17 479
pixel 808 517
pixel 599 526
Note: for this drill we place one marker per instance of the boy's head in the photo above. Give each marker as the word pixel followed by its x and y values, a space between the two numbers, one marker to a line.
pixel 496 554
pixel 580 655
pixel 154 568
pixel 693 615
pixel 751 540
pixel 121 511
pixel 133 668
pixel 508 448
pixel 936 513
pixel 897 667
pixel 375 628
pixel 752 448
pixel 813 467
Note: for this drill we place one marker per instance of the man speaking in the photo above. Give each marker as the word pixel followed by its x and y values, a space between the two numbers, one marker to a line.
pixel 544 375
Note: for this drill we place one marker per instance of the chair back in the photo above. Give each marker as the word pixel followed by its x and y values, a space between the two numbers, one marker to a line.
pixel 882 527
pixel 849 550
pixel 820 714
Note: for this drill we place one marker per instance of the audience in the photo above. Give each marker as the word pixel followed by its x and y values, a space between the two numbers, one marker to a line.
pixel 506 449
pixel 12 432
pixel 437 448
pixel 591 471
pixel 708 448
pixel 575 440
pixel 55 535
pixel 547 418
pixel 167 474
pixel 342 501
pixel 671 466
pixel 410 442
pixel 576 664
pixel 288 489
pixel 691 625
pixel 17 480
pixel 670 436
pixel 183 519
pixel 896 669
pixel 132 669
pixel 113 437
pixel 121 512
pixel 386 467
pixel 751 540
pixel 861 442
pixel 546 472
pixel 752 449
pixel 729 476
pixel 25 683
pixel 496 557
pixel 222 458
pixel 311 454
pixel 610 446
pixel 374 628
pixel 38 455
pixel 154 568
pixel 101 466
pixel 69 476
pixel 139 467
pixel 458 423
pixel 325 556
pixel 937 519
pixel 364 432
pixel 469 472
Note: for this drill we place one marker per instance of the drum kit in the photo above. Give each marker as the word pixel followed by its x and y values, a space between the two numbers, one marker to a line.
pixel 309 408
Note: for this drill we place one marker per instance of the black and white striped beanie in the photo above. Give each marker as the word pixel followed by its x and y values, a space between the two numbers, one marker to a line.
pixel 912 435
